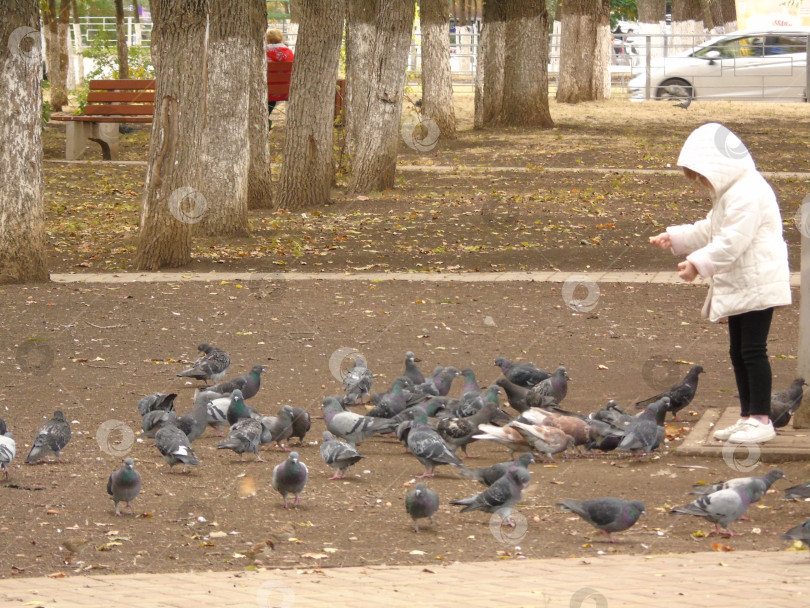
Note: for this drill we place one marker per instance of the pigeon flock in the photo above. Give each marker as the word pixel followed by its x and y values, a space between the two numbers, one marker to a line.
pixel 436 430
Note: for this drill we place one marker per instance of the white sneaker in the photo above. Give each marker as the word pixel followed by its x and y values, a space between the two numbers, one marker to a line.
pixel 753 432
pixel 724 434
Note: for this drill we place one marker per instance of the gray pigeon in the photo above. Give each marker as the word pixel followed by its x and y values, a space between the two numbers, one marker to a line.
pixel 290 477
pixel 244 436
pixel 156 401
pixel 721 508
pixel 644 432
pixel 525 375
pixel 555 386
pixel 248 383
pixel 412 370
pixel 421 502
pixel 501 497
pixel 606 514
pixel 443 380
pixel 759 485
pixel 301 423
pixel 491 474
pixel 352 427
pixel 680 394
pixel 175 447
pixel 211 366
pixel 124 485
pixel 459 432
pixel 338 455
pixel 785 403
pixel 8 449
pixel 428 447
pixel 799 492
pixel 194 423
pixel 800 532
pixel 216 409
pixel 152 422
pixel 357 381
pixel 683 104
pixel 515 394
pixel 51 439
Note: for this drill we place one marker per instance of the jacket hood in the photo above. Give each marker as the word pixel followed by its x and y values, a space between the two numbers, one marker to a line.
pixel 716 153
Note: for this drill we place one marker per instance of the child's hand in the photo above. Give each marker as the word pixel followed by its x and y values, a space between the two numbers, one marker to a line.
pixel 662 241
pixel 687 271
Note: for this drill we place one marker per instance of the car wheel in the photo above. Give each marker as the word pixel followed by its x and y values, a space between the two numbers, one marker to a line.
pixel 674 88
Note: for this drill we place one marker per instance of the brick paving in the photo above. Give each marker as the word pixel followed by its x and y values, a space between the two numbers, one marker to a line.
pixel 740 579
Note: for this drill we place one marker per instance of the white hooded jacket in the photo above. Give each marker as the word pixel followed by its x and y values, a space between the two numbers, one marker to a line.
pixel 739 246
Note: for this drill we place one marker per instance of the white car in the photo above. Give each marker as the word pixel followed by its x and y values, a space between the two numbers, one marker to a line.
pixel 750 65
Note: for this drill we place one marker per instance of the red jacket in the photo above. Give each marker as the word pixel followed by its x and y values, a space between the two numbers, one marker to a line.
pixel 278 52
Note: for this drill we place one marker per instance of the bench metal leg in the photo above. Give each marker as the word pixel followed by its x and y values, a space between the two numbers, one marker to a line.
pixel 80 132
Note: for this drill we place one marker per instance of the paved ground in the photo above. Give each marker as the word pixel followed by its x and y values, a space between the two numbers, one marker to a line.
pixel 740 579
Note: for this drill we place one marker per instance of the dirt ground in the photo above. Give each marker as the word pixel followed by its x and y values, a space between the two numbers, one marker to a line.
pixel 93 351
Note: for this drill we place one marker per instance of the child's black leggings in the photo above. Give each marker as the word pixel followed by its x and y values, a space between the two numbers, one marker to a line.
pixel 748 339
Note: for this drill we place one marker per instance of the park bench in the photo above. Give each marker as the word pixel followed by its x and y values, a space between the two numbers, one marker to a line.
pixel 113 102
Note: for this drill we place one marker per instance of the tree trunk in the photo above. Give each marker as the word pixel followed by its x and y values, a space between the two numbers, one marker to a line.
pixel 22 213
pixel 360 32
pixel 56 79
pixel 493 36
pixel 687 25
pixel 171 202
pixel 728 9
pixel 121 38
pixel 653 21
pixel 65 47
pixel 374 161
pixel 224 156
pixel 260 186
pixel 437 81
pixel 77 36
pixel 525 71
pixel 585 49
pixel 307 171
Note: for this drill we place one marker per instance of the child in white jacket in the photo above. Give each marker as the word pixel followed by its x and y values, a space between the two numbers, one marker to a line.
pixel 739 248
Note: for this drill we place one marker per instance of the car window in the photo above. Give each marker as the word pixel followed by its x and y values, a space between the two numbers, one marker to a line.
pixel 783 44
pixel 749 46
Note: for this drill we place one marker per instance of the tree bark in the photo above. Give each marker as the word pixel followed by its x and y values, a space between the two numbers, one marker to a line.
pixel 493 37
pixel 360 32
pixel 308 168
pixel 728 10
pixel 121 38
pixel 260 186
pixel 437 81
pixel 374 161
pixel 77 35
pixel 652 20
pixel 224 156
pixel 65 47
pixel 585 49
pixel 525 72
pixel 22 213
pixel 171 201
pixel 687 25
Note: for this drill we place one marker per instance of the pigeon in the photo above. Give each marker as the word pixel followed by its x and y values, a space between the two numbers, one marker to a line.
pixel 680 394
pixel 785 403
pixel 8 449
pixel 470 390
pixel 428 447
pixel 515 394
pixel 156 401
pixel 244 436
pixel 683 104
pixel 238 409
pixel 459 432
pixel 644 431
pixel 489 475
pixel 212 366
pixel 301 423
pixel 412 370
pixel 338 455
pixel 352 427
pixel 391 403
pixel 216 409
pixel 721 508
pixel 194 423
pixel 290 477
pixel 3 427
pixel 278 428
pixel 525 375
pixel 606 514
pixel 357 381
pixel 613 415
pixel 798 492
pixel 800 532
pixel 175 447
pixel 555 386
pixel 501 497
pixel 506 435
pixel 421 502
pixel 51 439
pixel 444 380
pixel 152 422
pixel 759 485
pixel 603 436
pixel 248 383
pixel 576 427
pixel 124 485
pixel 547 440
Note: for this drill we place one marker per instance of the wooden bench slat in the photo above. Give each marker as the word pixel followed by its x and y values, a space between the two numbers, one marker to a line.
pixel 118 85
pixel 120 110
pixel 121 119
pixel 121 96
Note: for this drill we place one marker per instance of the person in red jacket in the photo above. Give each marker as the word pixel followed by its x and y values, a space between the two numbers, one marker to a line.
pixel 276 51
